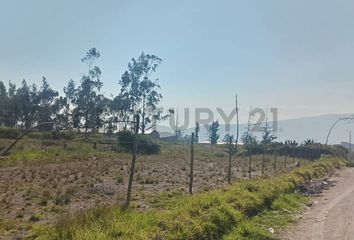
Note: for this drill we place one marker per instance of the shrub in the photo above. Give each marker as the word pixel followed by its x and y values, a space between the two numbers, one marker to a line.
pixel 9 133
pixel 51 135
pixel 125 141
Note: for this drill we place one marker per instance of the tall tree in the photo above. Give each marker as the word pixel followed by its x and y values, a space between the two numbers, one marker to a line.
pixel 141 91
pixel 248 138
pixel 4 104
pixel 214 128
pixel 13 110
pixel 46 105
pixel 196 132
pixel 24 98
pixel 87 103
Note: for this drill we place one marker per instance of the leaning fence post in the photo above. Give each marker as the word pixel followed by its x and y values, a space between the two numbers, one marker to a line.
pixel 132 168
pixel 191 165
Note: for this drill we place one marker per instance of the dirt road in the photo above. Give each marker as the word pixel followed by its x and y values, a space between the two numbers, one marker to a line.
pixel 332 215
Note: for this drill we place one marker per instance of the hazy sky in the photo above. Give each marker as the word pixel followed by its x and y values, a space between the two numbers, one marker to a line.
pixel 294 55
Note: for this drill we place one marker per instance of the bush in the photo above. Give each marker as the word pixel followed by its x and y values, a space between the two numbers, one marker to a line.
pixel 9 133
pixel 125 141
pixel 51 135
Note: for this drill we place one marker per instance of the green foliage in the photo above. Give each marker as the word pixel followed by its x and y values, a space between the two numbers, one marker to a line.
pixel 88 105
pixel 196 133
pixel 83 107
pixel 141 92
pixel 125 141
pixel 213 132
pixel 9 133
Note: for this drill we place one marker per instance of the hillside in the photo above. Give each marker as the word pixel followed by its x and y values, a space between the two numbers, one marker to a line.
pixel 298 129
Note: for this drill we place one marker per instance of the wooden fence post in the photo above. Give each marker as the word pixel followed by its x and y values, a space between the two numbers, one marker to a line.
pixel 132 168
pixel 191 165
pixel 263 158
pixel 230 158
pixel 250 166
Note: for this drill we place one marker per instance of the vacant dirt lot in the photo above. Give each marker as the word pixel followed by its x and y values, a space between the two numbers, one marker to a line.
pixel 43 191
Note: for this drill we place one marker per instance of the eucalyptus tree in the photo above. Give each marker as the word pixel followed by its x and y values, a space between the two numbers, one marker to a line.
pixel 214 128
pixel 13 109
pixel 87 103
pixel 4 104
pixel 25 100
pixel 46 100
pixel 141 91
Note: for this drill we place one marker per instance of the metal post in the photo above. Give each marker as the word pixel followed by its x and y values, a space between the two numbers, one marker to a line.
pixel 132 168
pixel 191 166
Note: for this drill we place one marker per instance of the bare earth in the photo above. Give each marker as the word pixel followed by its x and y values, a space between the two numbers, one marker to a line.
pixel 331 217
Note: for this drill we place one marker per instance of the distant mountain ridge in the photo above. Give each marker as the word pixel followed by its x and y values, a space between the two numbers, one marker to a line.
pixel 299 129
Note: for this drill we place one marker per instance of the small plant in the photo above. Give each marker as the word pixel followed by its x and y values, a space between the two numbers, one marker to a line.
pixel 63 198
pixel 147 180
pixel 44 198
pixel 35 217
pixel 219 155
pixel 119 178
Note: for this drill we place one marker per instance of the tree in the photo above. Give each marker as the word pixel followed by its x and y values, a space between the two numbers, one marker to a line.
pixel 88 104
pixel 268 137
pixel 196 133
pixel 13 111
pixel 214 128
pixel 227 138
pixel 140 91
pixel 248 138
pixel 309 142
pixel 4 104
pixel 46 100
pixel 24 98
pixel 91 55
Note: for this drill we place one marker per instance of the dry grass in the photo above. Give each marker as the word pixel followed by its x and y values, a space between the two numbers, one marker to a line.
pixel 51 180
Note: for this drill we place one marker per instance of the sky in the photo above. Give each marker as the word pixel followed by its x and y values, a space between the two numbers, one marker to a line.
pixel 296 56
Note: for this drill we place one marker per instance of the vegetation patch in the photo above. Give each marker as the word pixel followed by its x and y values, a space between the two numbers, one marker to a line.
pixel 238 212
pixel 145 144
